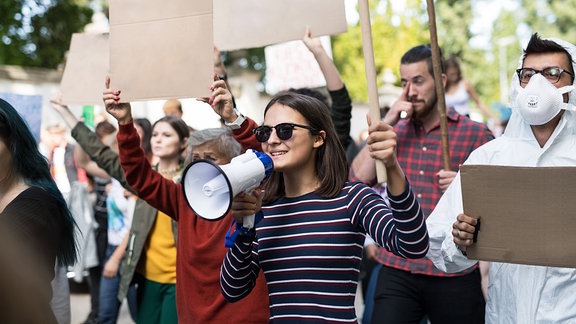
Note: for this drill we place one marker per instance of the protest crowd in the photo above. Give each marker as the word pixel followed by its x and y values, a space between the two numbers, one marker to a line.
pixel 117 200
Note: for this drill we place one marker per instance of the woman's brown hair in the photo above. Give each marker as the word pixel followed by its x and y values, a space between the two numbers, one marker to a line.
pixel 330 164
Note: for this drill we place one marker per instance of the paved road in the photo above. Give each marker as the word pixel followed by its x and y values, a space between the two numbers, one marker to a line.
pixel 80 307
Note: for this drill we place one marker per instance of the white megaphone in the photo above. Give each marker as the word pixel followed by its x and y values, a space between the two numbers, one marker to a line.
pixel 210 188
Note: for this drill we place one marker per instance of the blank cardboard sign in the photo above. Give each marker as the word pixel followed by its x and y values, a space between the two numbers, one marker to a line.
pixel 85 71
pixel 160 51
pixel 242 24
pixel 527 214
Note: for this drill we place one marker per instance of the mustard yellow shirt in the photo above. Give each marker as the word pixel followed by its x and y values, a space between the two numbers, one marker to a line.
pixel 160 261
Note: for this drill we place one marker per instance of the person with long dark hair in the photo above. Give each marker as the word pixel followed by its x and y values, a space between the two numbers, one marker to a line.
pixel 314 221
pixel 34 219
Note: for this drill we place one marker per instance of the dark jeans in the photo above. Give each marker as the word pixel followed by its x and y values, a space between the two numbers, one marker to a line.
pixel 101 237
pixel 109 303
pixel 95 274
pixel 403 297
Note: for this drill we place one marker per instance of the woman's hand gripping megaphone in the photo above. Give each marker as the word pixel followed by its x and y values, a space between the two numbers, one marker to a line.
pixel 245 205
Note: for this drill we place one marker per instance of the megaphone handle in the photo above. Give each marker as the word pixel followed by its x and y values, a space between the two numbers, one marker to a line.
pixel 248 221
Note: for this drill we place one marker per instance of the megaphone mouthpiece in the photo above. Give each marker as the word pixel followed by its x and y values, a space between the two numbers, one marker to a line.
pixel 209 188
pixel 215 186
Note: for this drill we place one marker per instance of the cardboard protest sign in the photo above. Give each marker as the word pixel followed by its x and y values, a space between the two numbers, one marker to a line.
pixel 292 65
pixel 242 24
pixel 85 71
pixel 527 214
pixel 160 51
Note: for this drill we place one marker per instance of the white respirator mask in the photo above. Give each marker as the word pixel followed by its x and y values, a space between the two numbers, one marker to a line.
pixel 540 101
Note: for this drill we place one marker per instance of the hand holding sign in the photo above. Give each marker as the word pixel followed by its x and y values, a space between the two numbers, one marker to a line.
pixel 120 111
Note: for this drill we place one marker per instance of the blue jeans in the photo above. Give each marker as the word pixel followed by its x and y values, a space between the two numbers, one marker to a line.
pixel 109 303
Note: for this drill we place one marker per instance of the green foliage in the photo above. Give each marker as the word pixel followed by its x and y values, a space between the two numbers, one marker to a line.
pixel 393 33
pixel 551 18
pixel 453 19
pixel 565 14
pixel 37 33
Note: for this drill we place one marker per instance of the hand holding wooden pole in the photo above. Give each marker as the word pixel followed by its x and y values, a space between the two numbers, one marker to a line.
pixel 371 76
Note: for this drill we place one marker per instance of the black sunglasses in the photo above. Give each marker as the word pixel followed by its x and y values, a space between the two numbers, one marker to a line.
pixel 283 131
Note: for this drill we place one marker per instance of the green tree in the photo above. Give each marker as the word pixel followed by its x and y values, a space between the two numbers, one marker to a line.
pixel 453 19
pixel 393 33
pixel 565 14
pixel 506 49
pixel 37 33
pixel 551 18
pixel 479 65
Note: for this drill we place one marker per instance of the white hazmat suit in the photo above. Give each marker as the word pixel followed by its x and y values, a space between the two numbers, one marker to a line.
pixel 516 293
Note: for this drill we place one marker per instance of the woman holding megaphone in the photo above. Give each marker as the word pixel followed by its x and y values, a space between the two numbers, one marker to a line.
pixel 200 243
pixel 310 239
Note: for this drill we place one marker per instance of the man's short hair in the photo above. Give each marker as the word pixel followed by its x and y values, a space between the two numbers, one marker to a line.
pixel 104 128
pixel 537 45
pixel 420 53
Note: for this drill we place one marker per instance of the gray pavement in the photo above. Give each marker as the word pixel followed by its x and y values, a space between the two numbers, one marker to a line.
pixel 80 307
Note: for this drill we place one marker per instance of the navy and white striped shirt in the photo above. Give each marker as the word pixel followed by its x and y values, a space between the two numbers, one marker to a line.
pixel 310 249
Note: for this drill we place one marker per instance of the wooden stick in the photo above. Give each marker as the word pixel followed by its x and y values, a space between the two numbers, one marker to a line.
pixel 371 76
pixel 437 65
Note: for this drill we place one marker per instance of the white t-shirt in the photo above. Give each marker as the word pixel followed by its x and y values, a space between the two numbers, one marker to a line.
pixel 120 212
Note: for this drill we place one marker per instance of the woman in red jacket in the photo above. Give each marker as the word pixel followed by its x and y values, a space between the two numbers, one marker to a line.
pixel 200 242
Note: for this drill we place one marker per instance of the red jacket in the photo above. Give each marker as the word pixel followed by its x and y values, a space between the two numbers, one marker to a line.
pixel 200 245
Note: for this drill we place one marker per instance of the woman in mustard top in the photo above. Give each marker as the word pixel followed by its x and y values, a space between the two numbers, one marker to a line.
pixel 157 266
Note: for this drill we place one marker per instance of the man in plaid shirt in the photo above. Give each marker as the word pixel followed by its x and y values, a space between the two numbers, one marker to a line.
pixel 408 290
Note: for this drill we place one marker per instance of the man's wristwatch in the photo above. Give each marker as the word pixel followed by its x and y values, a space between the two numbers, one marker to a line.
pixel 238 122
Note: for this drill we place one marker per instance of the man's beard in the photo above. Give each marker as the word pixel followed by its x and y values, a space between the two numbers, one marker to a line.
pixel 428 109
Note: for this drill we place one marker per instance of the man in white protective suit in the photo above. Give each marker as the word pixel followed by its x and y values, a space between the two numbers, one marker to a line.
pixel 535 137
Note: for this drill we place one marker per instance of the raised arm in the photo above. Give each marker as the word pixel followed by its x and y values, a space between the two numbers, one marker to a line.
pixel 363 167
pixel 329 70
pixel 121 111
pixel 102 155
pixel 64 112
pixel 403 231
pixel 151 186
pixel 341 109
pixel 382 146
pixel 221 102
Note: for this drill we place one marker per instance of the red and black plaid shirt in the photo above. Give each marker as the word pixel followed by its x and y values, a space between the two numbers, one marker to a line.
pixel 420 155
